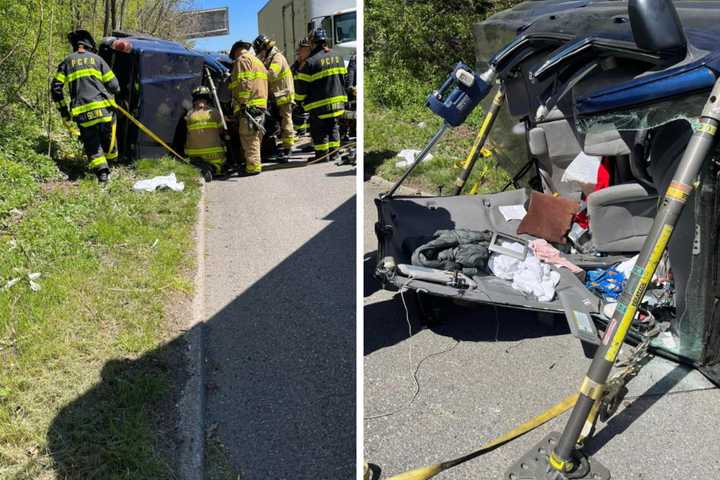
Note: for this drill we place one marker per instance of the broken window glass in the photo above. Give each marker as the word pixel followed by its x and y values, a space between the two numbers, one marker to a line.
pixel 644 117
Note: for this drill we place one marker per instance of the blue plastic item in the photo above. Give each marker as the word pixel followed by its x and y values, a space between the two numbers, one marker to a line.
pixel 459 95
pixel 607 283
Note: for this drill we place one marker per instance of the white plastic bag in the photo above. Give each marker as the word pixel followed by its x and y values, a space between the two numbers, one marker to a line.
pixel 408 157
pixel 152 184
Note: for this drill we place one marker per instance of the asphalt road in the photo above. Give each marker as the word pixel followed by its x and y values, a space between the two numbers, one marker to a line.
pixel 481 374
pixel 280 328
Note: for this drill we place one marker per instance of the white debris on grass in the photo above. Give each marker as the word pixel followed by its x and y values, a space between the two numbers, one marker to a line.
pixel 408 156
pixel 161 182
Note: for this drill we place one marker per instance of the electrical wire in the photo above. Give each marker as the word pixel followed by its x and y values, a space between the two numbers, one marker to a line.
pixel 417 387
pixel 416 371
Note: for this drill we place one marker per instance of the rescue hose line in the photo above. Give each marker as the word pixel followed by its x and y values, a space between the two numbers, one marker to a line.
pixel 150 133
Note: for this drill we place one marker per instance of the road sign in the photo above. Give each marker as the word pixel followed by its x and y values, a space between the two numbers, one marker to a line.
pixel 210 22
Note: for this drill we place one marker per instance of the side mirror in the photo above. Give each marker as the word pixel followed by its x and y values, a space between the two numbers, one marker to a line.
pixel 656 26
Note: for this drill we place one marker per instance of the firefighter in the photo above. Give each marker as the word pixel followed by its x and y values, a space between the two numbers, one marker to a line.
pixel 249 87
pixel 204 145
pixel 320 88
pixel 282 89
pixel 300 118
pixel 92 85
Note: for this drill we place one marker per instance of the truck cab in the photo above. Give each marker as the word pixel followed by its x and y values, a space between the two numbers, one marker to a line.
pixel 343 26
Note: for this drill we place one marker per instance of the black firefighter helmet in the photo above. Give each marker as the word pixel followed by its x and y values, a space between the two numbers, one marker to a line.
pixel 319 36
pixel 262 43
pixel 82 37
pixel 236 46
pixel 201 92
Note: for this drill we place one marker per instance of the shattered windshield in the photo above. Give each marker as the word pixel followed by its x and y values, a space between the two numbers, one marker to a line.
pixel 645 116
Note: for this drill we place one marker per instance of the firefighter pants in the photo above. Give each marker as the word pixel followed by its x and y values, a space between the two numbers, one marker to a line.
pixel 300 122
pixel 325 134
pixel 214 160
pixel 287 132
pixel 99 143
pixel 251 140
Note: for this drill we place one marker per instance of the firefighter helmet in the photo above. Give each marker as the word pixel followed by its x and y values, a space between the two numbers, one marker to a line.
pixel 82 37
pixel 262 43
pixel 201 92
pixel 318 36
pixel 236 46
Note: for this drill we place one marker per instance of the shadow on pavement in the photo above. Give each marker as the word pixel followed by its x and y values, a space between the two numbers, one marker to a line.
pixel 621 421
pixel 280 382
pixel 342 173
pixel 386 324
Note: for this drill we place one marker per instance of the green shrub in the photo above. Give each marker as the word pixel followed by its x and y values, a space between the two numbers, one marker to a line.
pixel 411 45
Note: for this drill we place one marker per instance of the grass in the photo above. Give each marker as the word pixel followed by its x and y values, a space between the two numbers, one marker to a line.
pixel 390 130
pixel 86 362
pixel 217 464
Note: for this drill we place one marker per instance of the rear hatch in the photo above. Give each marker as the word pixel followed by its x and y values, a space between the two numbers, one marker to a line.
pixel 636 108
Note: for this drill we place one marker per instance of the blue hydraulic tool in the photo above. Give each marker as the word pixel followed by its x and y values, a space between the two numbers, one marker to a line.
pixel 453 102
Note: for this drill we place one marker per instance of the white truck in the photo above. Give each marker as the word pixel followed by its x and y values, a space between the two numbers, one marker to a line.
pixel 289 21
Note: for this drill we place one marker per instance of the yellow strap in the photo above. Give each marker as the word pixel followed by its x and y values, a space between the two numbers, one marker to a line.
pixel 60 77
pixel 429 471
pixel 149 133
pixel 590 388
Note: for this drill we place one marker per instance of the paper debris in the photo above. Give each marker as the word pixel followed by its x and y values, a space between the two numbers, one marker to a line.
pixel 583 169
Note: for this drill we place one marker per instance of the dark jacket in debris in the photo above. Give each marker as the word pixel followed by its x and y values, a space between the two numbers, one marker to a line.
pixel 464 250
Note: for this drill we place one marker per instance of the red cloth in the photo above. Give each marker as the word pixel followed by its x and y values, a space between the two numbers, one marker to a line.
pixel 604 180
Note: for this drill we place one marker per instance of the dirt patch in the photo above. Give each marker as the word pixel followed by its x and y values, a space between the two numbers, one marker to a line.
pixel 58 186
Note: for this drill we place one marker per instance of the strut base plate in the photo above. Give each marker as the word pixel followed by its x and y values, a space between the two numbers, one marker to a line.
pixel 534 465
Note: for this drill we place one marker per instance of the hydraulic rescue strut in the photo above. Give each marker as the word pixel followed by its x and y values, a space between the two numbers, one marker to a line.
pixel 480 140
